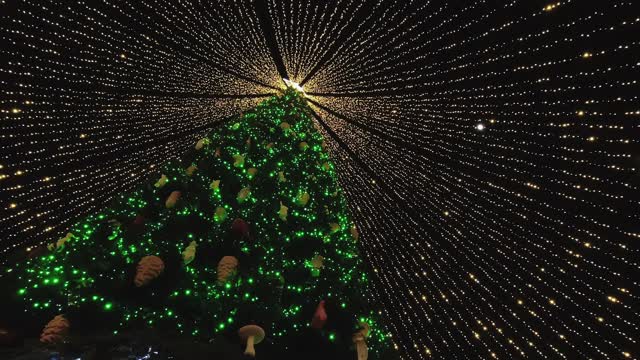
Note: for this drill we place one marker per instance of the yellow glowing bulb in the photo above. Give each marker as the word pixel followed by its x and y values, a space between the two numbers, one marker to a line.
pixel 19 172
pixel 600 319
pixel 580 113
pixel 13 205
pixel 123 56
pixel 587 245
pixel 626 354
pixel 612 299
pixel 520 302
pixel 586 55
pixel 552 302
pixel 16 110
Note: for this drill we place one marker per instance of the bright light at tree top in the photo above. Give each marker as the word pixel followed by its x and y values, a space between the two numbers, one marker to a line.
pixel 294 85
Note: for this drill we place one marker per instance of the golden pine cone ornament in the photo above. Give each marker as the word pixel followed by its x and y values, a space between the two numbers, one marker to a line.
pixel 238 160
pixel 55 331
pixel 149 268
pixel 161 182
pixel 201 143
pixel 283 212
pixel 303 199
pixel 243 195
pixel 354 232
pixel 227 268
pixel 189 253
pixel 59 245
pixel 215 185
pixel 191 170
pixel 220 214
pixel 172 199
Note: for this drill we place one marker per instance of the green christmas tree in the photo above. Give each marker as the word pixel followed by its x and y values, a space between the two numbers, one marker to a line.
pixel 247 237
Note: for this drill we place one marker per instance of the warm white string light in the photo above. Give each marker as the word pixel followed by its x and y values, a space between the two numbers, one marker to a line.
pixel 489 151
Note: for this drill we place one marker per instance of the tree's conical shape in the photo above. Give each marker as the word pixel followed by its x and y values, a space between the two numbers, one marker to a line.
pixel 251 229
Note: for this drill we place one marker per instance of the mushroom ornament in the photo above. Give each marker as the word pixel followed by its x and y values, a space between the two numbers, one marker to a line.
pixel 359 339
pixel 252 335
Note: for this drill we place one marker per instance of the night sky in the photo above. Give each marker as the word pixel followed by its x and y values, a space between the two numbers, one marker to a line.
pixel 489 150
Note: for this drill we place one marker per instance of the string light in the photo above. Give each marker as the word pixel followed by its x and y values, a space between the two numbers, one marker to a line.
pixel 400 90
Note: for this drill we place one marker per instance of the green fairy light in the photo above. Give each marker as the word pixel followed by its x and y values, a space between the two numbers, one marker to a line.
pixel 104 250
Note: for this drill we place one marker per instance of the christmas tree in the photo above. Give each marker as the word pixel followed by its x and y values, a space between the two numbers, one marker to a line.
pixel 246 240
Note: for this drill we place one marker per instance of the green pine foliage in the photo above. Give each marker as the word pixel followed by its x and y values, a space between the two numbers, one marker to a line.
pixel 90 277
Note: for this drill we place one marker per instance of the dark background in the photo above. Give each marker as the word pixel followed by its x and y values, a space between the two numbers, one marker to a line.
pixel 401 128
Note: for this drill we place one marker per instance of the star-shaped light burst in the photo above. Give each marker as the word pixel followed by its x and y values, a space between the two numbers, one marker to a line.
pixel 294 85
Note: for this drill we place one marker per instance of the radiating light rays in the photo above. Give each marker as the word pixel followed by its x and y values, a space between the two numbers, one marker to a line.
pixel 489 151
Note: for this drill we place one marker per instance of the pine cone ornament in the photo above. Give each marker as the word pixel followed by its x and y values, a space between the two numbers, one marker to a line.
pixel 238 160
pixel 281 177
pixel 59 245
pixel 189 253
pixel 162 181
pixel 227 268
pixel 282 213
pixel 173 199
pixel 243 195
pixel 303 145
pixel 191 170
pixel 354 232
pixel 55 331
pixel 285 126
pixel 303 199
pixel 334 227
pixel 221 214
pixel 149 268
pixel 251 172
pixel 215 185
pixel 201 143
